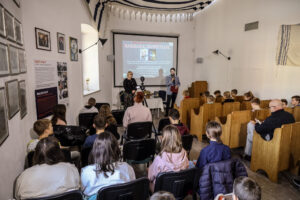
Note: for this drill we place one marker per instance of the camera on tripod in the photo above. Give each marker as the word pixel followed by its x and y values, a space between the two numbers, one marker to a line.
pixel 142 86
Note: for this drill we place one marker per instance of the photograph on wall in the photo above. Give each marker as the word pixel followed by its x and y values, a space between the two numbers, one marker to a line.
pixel 73 49
pixel 17 2
pixel 42 39
pixel 2 24
pixel 9 26
pixel 22 98
pixel 22 61
pixel 4 63
pixel 45 100
pixel 61 43
pixel 12 95
pixel 3 116
pixel 18 31
pixel 13 59
pixel 63 92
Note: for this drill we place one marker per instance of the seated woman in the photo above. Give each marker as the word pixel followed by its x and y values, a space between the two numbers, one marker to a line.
pixel 107 169
pixel 172 156
pixel 111 122
pixel 227 97
pixel 59 115
pixel 50 175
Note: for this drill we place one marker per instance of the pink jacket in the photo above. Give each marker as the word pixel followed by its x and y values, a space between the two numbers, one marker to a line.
pixel 137 113
pixel 168 162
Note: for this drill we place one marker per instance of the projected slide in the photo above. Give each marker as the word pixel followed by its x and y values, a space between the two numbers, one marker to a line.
pixel 148 56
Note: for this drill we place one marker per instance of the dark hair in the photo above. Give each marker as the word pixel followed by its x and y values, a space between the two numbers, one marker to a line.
pixel 162 195
pixel 139 97
pixel 105 153
pixel 99 122
pixel 206 93
pixel 296 97
pixel 217 92
pixel 174 114
pixel 246 188
pixel 284 101
pixel 256 101
pixel 92 101
pixel 234 91
pixel 249 95
pixel 173 69
pixel 59 112
pixel 41 125
pixel 214 130
pixel 104 111
pixel 110 120
pixel 48 151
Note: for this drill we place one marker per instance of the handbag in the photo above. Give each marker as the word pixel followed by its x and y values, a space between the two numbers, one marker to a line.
pixel 174 89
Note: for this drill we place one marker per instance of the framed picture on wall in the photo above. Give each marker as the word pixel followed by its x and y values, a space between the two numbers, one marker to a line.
pixel 4 62
pixel 9 26
pixel 13 59
pixel 3 116
pixel 12 96
pixel 22 61
pixel 19 32
pixel 42 39
pixel 2 24
pixel 22 98
pixel 73 49
pixel 61 43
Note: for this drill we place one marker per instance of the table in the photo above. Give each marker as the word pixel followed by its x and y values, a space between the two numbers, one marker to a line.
pixel 155 103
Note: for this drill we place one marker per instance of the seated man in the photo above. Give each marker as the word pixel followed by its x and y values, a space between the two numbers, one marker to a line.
pixel 174 119
pixel 43 129
pixel 99 125
pixel 90 107
pixel 266 129
pixel 295 100
pixel 234 93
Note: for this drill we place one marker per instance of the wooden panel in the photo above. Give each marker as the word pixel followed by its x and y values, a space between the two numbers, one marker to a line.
pixel 197 88
pixel 219 99
pixel 246 105
pixel 288 109
pixel 264 103
pixel 230 107
pixel 295 149
pixel 261 114
pixel 239 99
pixel 185 108
pixel 296 113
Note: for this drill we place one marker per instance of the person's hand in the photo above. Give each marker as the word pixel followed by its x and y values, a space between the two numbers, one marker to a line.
pixel 176 87
pixel 133 91
pixel 253 122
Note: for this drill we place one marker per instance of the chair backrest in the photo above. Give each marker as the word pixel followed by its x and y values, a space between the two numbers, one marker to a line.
pixel 162 123
pixel 84 154
pixel 177 183
pixel 264 103
pixel 246 105
pixel 29 160
pixel 295 148
pixel 296 113
pixel 72 195
pixel 185 106
pixel 197 88
pixel 187 142
pixel 209 112
pixel 86 119
pixel 133 190
pixel 139 150
pixel 261 114
pixel 230 107
pixel 139 130
pixel 219 99
pixel 98 105
pixel 289 110
pixel 162 94
pixel 118 115
pixel 239 99
pixel 70 135
pixel 122 98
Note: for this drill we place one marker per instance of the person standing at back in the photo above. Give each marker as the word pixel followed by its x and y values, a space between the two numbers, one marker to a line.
pixel 172 83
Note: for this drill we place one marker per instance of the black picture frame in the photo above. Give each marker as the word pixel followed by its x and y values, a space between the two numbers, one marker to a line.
pixel 42 39
pixel 4 130
pixel 22 98
pixel 73 42
pixel 12 97
pixel 61 43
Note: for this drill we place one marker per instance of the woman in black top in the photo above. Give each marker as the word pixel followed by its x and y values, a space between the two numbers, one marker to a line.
pixel 129 85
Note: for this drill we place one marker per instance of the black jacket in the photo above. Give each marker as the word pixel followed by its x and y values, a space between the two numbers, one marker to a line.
pixel 129 85
pixel 276 120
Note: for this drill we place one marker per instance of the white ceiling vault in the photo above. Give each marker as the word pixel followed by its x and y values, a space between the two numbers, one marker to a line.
pixel 148 10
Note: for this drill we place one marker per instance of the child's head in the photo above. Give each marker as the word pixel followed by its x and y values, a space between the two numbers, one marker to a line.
pixel 210 99
pixel 105 153
pixel 234 92
pixel 284 103
pixel 227 95
pixel 255 103
pixel 104 111
pixel 43 128
pixel 206 93
pixel 59 112
pixel 185 93
pixel 245 188
pixel 174 116
pixel 162 195
pixel 217 93
pixel 99 122
pixel 139 97
pixel 92 101
pixel 171 140
pixel 248 96
pixel 214 131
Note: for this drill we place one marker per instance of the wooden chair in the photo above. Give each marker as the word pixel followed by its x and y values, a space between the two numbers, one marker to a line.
pixel 219 99
pixel 246 105
pixel 198 87
pixel 234 131
pixel 264 103
pixel 228 108
pixel 296 113
pixel 186 105
pixel 206 113
pixel 239 99
pixel 289 109
pixel 272 156
pixel 260 114
pixel 295 149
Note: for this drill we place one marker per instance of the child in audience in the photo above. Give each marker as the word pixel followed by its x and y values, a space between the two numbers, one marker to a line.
pixel 107 169
pixel 90 107
pixel 210 99
pixel 99 125
pixel 174 119
pixel 217 93
pixel 206 93
pixel 43 129
pixel 104 111
pixel 295 101
pixel 255 104
pixel 162 195
pixel 234 93
pixel 248 96
pixel 50 175
pixel 111 126
pixel 227 97
pixel 185 94
pixel 59 115
pixel 216 151
pixel 284 103
pixel 172 156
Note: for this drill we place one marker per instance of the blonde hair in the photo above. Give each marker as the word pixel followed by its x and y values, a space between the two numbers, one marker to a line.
pixel 129 72
pixel 185 93
pixel 171 141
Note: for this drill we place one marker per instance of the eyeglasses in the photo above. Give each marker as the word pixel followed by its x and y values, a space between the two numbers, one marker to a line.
pixel 272 107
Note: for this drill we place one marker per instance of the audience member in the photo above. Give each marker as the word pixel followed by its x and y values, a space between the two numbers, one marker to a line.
pixel 90 107
pixel 185 94
pixel 210 99
pixel 248 96
pixel 266 129
pixel 162 195
pixel 174 117
pixel 137 112
pixel 227 97
pixel 43 129
pixel 217 93
pixel 59 115
pixel 99 125
pixel 295 100
pixel 284 103
pixel 234 93
pixel 255 104
pixel 106 168
pixel 112 126
pixel 104 111
pixel 172 156
pixel 205 94
pixel 50 175
pixel 216 150
pixel 218 96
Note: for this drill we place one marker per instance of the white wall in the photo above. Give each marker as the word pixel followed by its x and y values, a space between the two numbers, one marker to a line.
pixel 252 65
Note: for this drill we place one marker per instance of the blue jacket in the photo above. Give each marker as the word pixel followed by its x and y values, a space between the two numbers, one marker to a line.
pixel 169 83
pixel 216 178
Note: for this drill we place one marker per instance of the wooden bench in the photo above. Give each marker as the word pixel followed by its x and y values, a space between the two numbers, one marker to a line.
pixel 296 113
pixel 272 156
pixel 239 99
pixel 246 105
pixel 186 105
pixel 264 103
pixel 228 108
pixel 295 149
pixel 205 113
pixel 219 99
pixel 261 114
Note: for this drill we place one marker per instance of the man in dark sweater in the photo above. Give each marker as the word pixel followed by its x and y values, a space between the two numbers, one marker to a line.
pixel 266 128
